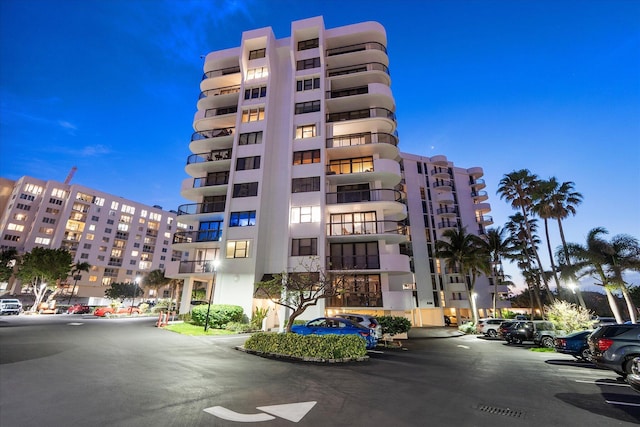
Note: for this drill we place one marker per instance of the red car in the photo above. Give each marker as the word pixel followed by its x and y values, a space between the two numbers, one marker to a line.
pixel 79 309
pixel 108 311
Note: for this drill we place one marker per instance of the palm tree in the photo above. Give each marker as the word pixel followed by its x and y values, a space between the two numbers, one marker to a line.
pixel 155 279
pixel 497 246
pixel 624 254
pixel 517 188
pixel 542 206
pixel 591 260
pixel 463 251
pixel 76 269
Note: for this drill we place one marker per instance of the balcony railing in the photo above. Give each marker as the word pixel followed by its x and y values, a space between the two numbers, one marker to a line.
pixel 196 236
pixel 212 133
pixel 201 208
pixel 445 183
pixel 451 224
pixel 214 155
pixel 361 114
pixel 479 194
pixel 221 111
pixel 196 267
pixel 353 262
pixel 221 72
pixel 361 139
pixel 452 210
pixel 365 227
pixel 359 68
pixel 356 196
pixel 331 94
pixel 227 90
pixel 211 182
pixel 356 48
pixel 440 171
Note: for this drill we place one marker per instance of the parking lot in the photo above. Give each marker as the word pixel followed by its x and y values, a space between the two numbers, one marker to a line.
pixel 126 372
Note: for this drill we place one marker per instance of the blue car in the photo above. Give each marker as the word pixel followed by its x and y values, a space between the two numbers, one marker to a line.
pixel 335 325
pixel 575 344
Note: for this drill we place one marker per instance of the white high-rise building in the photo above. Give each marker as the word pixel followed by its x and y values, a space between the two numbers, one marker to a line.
pixel 295 155
pixel 120 239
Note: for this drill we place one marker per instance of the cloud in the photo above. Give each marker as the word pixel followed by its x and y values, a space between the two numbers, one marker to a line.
pixel 94 150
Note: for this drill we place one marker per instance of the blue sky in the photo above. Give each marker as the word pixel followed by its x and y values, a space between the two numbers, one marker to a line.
pixel 111 86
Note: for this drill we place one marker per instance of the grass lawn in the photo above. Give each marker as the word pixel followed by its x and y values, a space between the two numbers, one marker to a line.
pixel 193 330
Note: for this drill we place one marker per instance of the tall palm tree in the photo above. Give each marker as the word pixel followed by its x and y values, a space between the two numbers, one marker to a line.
pixel 564 201
pixel 463 251
pixel 591 259
pixel 517 188
pixel 543 207
pixel 624 254
pixel 76 269
pixel 497 246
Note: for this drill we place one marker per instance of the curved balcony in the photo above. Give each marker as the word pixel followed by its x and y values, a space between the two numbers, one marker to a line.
pixel 363 144
pixel 218 97
pixel 212 118
pixel 350 73
pixel 358 47
pixel 448 225
pixel 479 196
pixel 386 199
pixel 457 287
pixel 478 184
pixel 390 231
pixel 447 212
pixel 205 209
pixel 484 220
pixel 440 172
pixel 184 240
pixel 205 140
pixel 212 161
pixel 386 119
pixel 446 185
pixel 192 188
pixel 357 97
pixel 221 77
pixel 482 207
pixel 440 160
pixel 446 198
pixel 475 172
pixel 383 263
pixel 227 71
pixel 384 170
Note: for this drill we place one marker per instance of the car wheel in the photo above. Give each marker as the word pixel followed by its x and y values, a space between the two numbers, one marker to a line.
pixel 492 333
pixel 626 366
pixel 585 354
pixel 547 342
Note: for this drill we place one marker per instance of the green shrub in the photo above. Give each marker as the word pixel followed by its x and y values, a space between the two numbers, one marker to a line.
pixel 239 327
pixel 322 347
pixel 219 315
pixel 394 325
pixel 259 314
pixel 468 328
pixel 143 307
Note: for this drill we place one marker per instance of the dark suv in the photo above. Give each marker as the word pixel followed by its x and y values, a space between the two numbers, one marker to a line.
pixel 614 347
pixel 541 332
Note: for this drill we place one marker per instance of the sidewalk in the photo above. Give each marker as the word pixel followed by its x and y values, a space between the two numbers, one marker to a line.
pixel 434 332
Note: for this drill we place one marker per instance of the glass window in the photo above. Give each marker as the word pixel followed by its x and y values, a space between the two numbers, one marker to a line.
pixel 247 189
pixel 306 64
pixel 304 247
pixel 302 185
pixel 308 44
pixel 242 219
pixel 308 84
pixel 257 53
pixel 306 131
pixel 302 214
pixel 238 249
pixel 307 107
pixel 306 157
pixel 250 138
pixel 246 163
pixel 253 114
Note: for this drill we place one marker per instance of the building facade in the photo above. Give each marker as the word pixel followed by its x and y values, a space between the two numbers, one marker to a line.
pixel 120 239
pixel 295 156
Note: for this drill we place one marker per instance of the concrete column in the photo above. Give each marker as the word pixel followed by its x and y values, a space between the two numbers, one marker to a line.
pixel 185 300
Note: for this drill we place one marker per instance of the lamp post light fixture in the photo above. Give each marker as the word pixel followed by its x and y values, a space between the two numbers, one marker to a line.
pixel 216 263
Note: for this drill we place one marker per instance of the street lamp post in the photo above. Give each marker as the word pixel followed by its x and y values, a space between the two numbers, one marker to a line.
pixel 135 291
pixel 213 283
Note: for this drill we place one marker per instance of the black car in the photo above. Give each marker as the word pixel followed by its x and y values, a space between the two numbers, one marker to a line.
pixel 615 346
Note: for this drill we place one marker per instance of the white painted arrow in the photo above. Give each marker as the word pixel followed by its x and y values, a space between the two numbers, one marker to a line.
pixel 289 411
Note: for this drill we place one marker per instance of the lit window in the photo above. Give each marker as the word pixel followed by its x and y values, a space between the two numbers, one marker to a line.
pixel 257 73
pixel 114 205
pixel 306 157
pixel 42 241
pixel 253 115
pixel 306 131
pixel 238 249
pixel 302 214
pixel 15 227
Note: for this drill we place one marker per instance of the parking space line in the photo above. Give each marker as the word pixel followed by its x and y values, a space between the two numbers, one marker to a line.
pixel 613 402
pixel 601 383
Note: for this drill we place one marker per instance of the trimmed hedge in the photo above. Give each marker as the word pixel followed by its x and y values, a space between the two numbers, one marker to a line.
pixel 393 325
pixel 323 347
pixel 219 315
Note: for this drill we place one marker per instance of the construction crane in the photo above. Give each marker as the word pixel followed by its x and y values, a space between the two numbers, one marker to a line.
pixel 70 176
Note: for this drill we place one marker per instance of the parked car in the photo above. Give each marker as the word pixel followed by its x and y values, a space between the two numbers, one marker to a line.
pixel 505 327
pixel 604 321
pixel 575 344
pixel 107 311
pixel 10 306
pixel 489 326
pixel 633 379
pixel 79 309
pixel 541 332
pixel 364 320
pixel 336 325
pixel 615 346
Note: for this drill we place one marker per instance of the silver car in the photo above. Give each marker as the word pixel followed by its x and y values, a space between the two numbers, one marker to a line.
pixel 365 320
